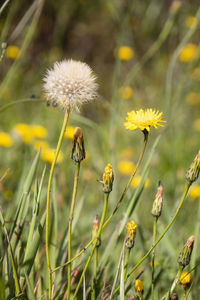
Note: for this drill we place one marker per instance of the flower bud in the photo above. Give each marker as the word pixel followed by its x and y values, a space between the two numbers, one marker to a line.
pixel 108 177
pixel 192 173
pixel 175 6
pixel 78 150
pixel 139 286
pixel 184 256
pixel 158 202
pixel 95 230
pixel 131 233
pixel 185 279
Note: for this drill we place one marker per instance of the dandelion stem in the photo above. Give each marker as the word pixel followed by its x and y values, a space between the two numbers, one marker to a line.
pixel 76 177
pixel 115 209
pixel 176 279
pixel 106 196
pixel 153 255
pixel 161 236
pixel 95 273
pixel 126 260
pixel 49 196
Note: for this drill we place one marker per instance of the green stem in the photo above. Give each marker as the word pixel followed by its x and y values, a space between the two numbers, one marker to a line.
pixel 76 177
pixel 106 196
pixel 95 273
pixel 161 236
pixel 49 194
pixel 153 255
pixel 13 103
pixel 126 260
pixel 176 279
pixel 115 209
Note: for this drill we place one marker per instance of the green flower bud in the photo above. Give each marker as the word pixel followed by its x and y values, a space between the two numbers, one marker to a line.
pixel 184 256
pixel 193 172
pixel 78 150
pixel 158 202
pixel 95 230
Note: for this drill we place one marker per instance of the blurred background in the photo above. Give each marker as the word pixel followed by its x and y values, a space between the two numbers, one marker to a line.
pixel 145 54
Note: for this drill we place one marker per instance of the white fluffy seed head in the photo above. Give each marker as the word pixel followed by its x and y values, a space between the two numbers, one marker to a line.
pixel 70 84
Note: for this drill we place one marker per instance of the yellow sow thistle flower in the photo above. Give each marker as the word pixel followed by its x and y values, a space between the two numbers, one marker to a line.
pixel 40 144
pixel 12 52
pixel 131 233
pixel 139 286
pixel 69 132
pixel 125 167
pixel 23 130
pixel 38 131
pixel 5 140
pixel 47 154
pixel 136 181
pixel 125 53
pixel 190 21
pixel 188 52
pixel 143 119
pixel 126 92
pixel 194 191
pixel 185 278
pixel 108 178
pixel 193 98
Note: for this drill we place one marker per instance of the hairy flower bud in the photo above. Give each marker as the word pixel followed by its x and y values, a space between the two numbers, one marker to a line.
pixel 192 173
pixel 108 177
pixel 78 150
pixel 174 296
pixel 131 233
pixel 158 202
pixel 95 230
pixel 184 256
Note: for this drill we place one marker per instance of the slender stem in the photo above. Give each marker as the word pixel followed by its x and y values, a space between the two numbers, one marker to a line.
pixel 106 196
pixel 161 236
pixel 49 195
pixel 126 261
pixel 115 209
pixel 76 177
pixel 95 273
pixel 153 255
pixel 176 280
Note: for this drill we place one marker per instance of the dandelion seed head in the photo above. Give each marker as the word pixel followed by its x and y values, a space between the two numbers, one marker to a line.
pixel 70 84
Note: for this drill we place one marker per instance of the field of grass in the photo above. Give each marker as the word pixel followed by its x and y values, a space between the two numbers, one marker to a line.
pixel 143 55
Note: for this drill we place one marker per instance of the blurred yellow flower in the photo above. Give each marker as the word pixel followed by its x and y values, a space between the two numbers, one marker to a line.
pixel 12 51
pixel 47 154
pixel 190 21
pixel 185 278
pixel 193 98
pixel 40 144
pixel 5 139
pixel 196 125
pixel 69 132
pixel 125 167
pixel 188 52
pixel 136 181
pixel 139 286
pixel 143 119
pixel 24 131
pixel 38 131
pixel 194 191
pixel 125 53
pixel 126 92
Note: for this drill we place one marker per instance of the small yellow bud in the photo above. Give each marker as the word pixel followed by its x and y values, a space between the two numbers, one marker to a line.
pixel 108 177
pixel 78 150
pixel 139 286
pixel 185 278
pixel 131 233
pixel 193 172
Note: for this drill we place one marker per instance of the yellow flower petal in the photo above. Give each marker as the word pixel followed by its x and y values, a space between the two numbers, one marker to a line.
pixel 125 53
pixel 12 51
pixel 188 52
pixel 5 139
pixel 69 132
pixel 125 167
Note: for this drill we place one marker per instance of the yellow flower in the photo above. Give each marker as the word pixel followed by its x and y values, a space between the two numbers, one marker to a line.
pixel 126 153
pixel 12 51
pixel 125 167
pixel 40 144
pixel 69 132
pixel 24 131
pixel 38 131
pixel 190 21
pixel 5 139
pixel 185 278
pixel 193 98
pixel 131 227
pixel 125 53
pixel 196 124
pixel 139 286
pixel 108 178
pixel 136 181
pixel 188 52
pixel 47 154
pixel 143 119
pixel 195 74
pixel 126 92
pixel 195 191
